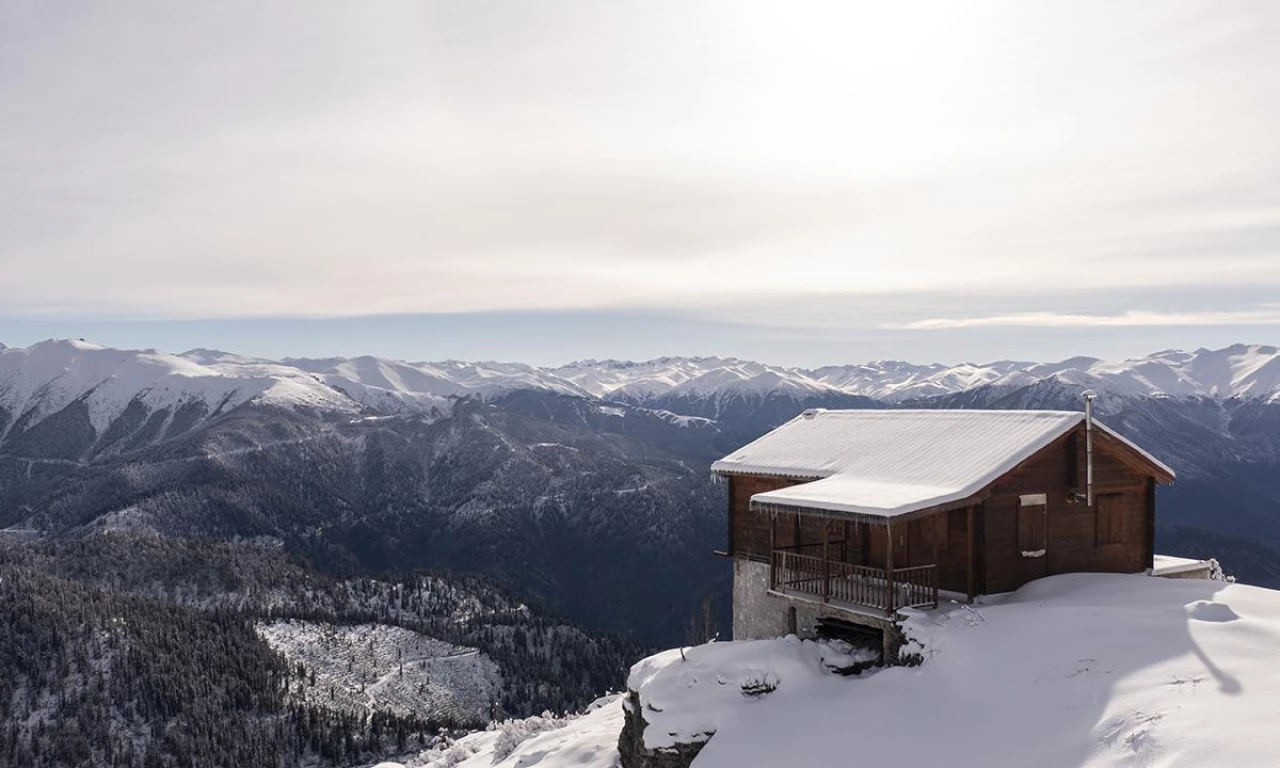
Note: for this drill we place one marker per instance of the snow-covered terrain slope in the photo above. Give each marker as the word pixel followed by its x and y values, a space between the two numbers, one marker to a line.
pixel 368 667
pixel 1070 671
pixel 589 740
pixel 43 379
pixel 1076 670
pixel 392 385
pixel 109 397
pixel 688 375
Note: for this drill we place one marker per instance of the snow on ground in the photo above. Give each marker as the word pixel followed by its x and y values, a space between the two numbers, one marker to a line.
pixel 578 741
pixel 1075 670
pixel 369 666
pixel 681 420
pixel 687 695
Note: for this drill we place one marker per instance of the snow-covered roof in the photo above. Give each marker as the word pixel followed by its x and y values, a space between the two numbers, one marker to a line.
pixel 886 463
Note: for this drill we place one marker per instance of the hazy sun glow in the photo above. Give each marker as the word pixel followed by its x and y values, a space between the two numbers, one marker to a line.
pixel 317 159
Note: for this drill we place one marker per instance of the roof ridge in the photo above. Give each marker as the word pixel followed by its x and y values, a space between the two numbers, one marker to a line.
pixel 966 411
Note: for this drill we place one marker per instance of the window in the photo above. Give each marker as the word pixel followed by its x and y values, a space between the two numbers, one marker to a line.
pixel 1033 513
pixel 1109 521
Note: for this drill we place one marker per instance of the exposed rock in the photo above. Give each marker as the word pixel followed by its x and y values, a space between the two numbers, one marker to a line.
pixel 631 746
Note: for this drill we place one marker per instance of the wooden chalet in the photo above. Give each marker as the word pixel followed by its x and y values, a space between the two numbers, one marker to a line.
pixel 853 515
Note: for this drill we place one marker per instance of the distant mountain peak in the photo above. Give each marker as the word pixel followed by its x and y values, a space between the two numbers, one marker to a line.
pixel 48 376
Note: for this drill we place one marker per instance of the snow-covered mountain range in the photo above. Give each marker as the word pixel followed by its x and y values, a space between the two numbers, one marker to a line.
pixel 43 379
pixel 579 470
pixel 1240 371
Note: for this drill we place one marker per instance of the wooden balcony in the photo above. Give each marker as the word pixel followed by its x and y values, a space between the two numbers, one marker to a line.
pixel 860 586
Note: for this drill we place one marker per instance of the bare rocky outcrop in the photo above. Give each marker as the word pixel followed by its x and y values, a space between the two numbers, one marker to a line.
pixel 631 746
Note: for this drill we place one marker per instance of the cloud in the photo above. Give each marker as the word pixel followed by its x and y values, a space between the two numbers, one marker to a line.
pixel 316 158
pixel 1263 316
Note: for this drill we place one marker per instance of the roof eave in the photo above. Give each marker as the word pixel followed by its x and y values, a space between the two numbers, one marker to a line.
pixel 863 517
pixel 1163 473
pixel 719 470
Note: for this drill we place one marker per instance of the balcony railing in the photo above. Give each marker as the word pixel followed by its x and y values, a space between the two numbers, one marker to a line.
pixel 859 585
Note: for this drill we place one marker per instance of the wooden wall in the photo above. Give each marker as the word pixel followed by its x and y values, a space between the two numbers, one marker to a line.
pixel 749 531
pixel 1073 541
pixel 953 565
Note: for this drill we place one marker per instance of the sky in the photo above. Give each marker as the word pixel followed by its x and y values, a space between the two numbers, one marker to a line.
pixel 801 183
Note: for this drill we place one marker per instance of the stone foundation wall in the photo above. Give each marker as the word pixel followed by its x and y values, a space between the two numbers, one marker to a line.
pixel 756 614
pixel 759 614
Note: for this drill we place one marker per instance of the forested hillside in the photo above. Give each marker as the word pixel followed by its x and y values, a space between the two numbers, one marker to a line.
pixel 90 678
pixel 545 662
pixel 132 650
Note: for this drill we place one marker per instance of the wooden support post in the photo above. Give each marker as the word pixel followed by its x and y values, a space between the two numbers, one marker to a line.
pixel 888 570
pixel 826 560
pixel 730 549
pixel 773 549
pixel 939 530
pixel 971 577
pixel 1150 543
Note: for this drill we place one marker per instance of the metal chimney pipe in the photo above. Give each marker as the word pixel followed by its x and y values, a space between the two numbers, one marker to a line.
pixel 1089 396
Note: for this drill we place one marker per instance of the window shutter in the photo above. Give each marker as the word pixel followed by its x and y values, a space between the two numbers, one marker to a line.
pixel 1033 514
